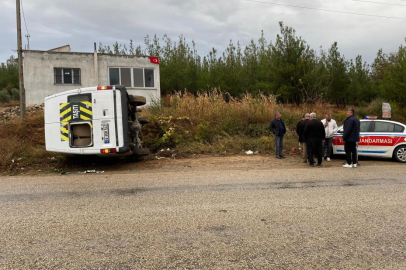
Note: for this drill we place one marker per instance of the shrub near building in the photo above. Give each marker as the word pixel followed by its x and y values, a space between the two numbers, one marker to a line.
pixel 8 95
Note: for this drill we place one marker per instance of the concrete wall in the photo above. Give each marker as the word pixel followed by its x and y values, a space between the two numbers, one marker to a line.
pixel 39 73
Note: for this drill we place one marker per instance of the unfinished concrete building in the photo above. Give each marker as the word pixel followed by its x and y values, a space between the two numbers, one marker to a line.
pixel 58 70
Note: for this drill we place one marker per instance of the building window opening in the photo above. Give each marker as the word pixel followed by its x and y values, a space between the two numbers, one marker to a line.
pixel 132 77
pixel 149 77
pixel 67 76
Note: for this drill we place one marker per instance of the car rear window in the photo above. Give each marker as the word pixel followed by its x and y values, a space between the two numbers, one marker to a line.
pixel 387 127
pixel 399 128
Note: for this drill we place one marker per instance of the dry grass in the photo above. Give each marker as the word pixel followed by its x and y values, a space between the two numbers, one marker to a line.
pixel 22 142
pixel 214 123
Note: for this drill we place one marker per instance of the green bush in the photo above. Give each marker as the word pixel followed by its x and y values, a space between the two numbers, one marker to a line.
pixel 375 107
pixel 361 112
pixel 14 94
pixel 4 96
pixel 204 133
pixel 340 117
pixel 398 113
pixel 256 130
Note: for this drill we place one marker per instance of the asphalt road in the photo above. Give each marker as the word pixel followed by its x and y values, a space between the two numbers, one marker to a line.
pixel 225 217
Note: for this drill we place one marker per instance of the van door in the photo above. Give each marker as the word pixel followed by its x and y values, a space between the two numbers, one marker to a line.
pixel 105 114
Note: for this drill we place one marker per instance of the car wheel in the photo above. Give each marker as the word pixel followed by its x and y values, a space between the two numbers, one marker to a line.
pixel 400 153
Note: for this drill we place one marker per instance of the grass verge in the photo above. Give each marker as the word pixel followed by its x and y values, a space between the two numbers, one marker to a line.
pixel 212 123
pixel 209 123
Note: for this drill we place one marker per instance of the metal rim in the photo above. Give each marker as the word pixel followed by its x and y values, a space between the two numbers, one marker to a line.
pixel 401 154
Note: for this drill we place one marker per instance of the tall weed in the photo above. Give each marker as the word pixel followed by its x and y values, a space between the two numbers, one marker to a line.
pixel 217 123
pixel 23 141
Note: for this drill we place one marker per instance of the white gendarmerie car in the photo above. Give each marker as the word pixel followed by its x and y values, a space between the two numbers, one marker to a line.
pixel 378 138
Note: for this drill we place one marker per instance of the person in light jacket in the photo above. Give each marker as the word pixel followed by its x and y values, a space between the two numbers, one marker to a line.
pixel 330 127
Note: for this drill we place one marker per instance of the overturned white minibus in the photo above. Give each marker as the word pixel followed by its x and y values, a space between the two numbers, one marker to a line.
pixel 94 121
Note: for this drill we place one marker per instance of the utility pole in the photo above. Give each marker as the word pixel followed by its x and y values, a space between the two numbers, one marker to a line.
pixel 20 62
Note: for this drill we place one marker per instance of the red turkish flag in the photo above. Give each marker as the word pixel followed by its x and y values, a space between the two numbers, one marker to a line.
pixel 154 60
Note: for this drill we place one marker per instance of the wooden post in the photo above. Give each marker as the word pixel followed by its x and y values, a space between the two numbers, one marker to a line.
pixel 20 62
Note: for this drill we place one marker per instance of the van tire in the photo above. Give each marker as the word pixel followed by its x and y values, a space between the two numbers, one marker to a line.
pixel 137 100
pixel 143 120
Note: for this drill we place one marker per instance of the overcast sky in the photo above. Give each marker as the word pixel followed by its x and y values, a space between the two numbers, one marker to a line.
pixel 210 23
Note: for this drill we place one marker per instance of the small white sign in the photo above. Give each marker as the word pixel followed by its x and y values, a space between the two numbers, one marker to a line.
pixel 386 111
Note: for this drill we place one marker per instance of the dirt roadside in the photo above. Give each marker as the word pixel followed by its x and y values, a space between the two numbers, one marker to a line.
pixel 74 165
pixel 245 163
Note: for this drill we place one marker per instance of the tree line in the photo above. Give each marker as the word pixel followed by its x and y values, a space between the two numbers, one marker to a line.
pixel 9 74
pixel 287 68
pixel 9 80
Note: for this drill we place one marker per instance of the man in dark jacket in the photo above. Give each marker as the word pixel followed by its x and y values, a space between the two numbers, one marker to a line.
pixel 298 125
pixel 351 137
pixel 315 135
pixel 299 131
pixel 278 129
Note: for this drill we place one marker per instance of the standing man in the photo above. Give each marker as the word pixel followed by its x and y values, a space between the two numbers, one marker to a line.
pixel 302 139
pixel 315 135
pixel 278 129
pixel 330 127
pixel 297 129
pixel 351 137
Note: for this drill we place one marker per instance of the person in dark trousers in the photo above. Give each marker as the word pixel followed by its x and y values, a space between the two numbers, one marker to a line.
pixel 278 129
pixel 351 137
pixel 298 125
pixel 330 127
pixel 315 135
pixel 302 140
pixel 297 129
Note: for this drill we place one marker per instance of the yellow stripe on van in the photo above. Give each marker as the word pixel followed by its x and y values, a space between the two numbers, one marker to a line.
pixel 86 111
pixel 65 112
pixel 87 103
pixel 84 117
pixel 64 130
pixel 67 119
pixel 64 138
pixel 63 105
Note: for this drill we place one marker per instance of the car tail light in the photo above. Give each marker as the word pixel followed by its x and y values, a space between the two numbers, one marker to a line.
pixel 108 150
pixel 106 87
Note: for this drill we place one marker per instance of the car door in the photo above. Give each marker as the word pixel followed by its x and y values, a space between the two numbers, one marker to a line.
pixel 363 143
pixel 338 143
pixel 383 137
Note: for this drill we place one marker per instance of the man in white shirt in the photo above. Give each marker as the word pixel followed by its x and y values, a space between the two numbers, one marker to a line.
pixel 330 127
